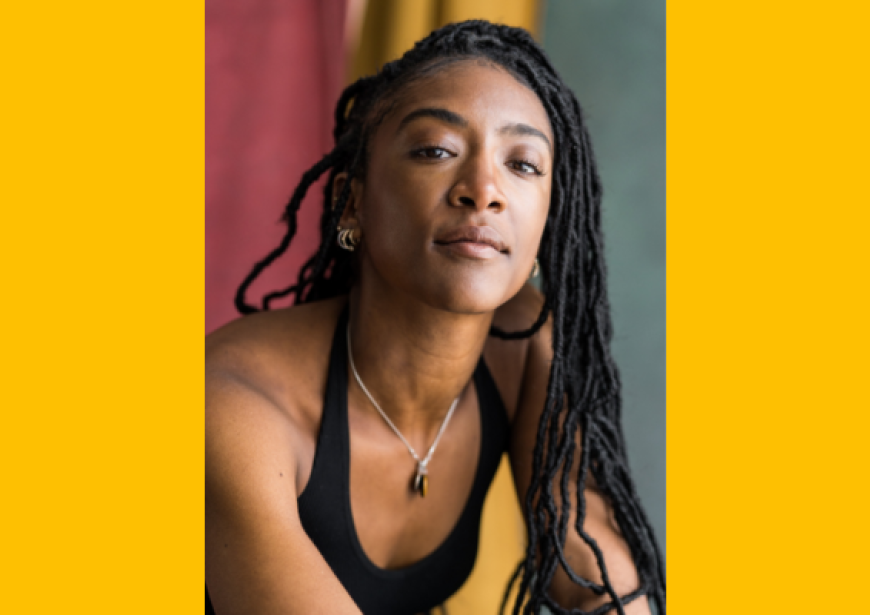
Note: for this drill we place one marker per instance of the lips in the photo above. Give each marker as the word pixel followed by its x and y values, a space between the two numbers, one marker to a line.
pixel 482 236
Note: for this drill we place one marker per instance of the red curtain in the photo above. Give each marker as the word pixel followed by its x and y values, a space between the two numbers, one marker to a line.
pixel 273 72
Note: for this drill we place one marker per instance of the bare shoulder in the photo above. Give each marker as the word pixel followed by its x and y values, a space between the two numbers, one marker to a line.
pixel 264 381
pixel 259 346
pixel 508 360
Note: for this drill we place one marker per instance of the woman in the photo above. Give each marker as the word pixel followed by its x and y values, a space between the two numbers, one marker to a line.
pixel 350 439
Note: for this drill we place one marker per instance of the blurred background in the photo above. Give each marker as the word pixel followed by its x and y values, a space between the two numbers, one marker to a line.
pixel 274 70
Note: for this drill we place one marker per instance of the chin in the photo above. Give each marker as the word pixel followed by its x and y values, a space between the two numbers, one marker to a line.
pixel 477 295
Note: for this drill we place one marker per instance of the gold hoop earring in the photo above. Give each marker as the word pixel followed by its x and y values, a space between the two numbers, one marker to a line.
pixel 347 240
pixel 535 270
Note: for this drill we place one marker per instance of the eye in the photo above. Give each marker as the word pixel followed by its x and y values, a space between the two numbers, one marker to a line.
pixel 526 167
pixel 431 153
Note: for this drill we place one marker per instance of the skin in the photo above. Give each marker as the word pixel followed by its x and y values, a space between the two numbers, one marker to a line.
pixel 467 146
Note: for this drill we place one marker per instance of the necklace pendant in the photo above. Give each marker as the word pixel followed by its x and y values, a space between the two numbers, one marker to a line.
pixel 421 480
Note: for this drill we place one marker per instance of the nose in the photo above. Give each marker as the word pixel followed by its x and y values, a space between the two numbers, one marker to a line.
pixel 477 185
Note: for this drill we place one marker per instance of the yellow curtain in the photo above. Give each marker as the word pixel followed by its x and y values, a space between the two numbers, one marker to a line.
pixel 388 28
pixel 391 27
pixel 502 544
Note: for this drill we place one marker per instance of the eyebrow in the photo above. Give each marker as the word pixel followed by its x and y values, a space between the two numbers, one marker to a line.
pixel 522 130
pixel 439 114
pixel 449 117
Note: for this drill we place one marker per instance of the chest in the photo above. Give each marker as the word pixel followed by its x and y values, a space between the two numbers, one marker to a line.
pixel 396 526
pixel 395 552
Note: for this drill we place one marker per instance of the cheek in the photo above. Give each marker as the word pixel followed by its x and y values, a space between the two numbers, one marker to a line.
pixel 395 218
pixel 398 204
pixel 530 220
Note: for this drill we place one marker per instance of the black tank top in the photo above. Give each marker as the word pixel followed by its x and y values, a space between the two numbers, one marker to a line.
pixel 325 513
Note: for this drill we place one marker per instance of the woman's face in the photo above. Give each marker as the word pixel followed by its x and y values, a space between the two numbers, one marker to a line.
pixel 457 189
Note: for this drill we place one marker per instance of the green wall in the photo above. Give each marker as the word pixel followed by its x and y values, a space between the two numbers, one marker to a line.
pixel 612 54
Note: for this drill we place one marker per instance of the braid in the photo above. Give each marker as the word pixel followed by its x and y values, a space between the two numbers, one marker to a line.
pixel 583 403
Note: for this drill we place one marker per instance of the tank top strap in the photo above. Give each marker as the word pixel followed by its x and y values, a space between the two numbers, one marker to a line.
pixel 494 421
pixel 332 456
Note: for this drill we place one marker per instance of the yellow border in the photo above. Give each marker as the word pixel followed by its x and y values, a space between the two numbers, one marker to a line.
pixel 102 208
pixel 767 307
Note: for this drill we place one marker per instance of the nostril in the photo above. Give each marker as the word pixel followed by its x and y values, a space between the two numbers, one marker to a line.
pixel 466 200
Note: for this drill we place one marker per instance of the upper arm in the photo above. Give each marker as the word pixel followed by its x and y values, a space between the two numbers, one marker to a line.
pixel 599 522
pixel 258 557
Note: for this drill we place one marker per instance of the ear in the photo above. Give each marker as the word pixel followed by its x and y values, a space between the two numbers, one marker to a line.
pixel 350 215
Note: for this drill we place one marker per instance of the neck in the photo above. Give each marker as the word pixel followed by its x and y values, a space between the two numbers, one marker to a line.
pixel 414 359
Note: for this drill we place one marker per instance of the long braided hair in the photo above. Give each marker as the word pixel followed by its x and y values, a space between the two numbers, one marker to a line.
pixel 583 393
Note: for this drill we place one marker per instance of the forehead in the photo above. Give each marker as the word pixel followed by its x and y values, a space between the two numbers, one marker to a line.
pixel 476 89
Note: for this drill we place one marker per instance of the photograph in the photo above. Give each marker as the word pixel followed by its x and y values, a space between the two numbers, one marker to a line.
pixel 435 307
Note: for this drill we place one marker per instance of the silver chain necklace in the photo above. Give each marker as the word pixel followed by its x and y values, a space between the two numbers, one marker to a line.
pixel 421 478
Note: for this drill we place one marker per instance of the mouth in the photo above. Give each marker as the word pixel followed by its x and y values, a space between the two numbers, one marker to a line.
pixel 479 242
